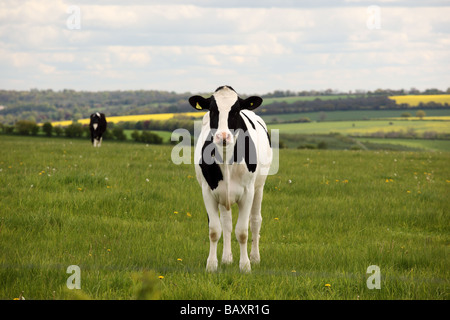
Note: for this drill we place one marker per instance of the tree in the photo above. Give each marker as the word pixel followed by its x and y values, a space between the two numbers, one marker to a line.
pixel 75 130
pixel 26 127
pixel 47 128
pixel 58 131
pixel 406 114
pixel 117 132
pixel 421 114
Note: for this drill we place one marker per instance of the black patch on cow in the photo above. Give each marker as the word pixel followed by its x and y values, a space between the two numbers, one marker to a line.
pixel 251 122
pixel 220 88
pixel 210 169
pixel 267 132
pixel 213 114
pixel 245 148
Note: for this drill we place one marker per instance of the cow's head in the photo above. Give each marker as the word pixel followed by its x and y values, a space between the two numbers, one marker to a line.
pixel 95 120
pixel 224 113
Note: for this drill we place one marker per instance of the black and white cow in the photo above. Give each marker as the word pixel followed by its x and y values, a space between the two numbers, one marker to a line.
pixel 97 126
pixel 232 159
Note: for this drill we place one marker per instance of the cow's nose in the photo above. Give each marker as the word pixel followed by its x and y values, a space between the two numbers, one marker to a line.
pixel 223 137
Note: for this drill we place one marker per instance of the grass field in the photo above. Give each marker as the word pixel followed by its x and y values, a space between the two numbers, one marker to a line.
pixel 351 115
pixel 136 226
pixel 362 127
pixel 419 144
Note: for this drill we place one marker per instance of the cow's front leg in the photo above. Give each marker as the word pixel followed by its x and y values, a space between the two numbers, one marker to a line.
pixel 227 226
pixel 215 229
pixel 245 205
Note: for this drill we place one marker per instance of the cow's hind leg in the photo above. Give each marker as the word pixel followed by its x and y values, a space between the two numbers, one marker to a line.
pixel 227 226
pixel 255 224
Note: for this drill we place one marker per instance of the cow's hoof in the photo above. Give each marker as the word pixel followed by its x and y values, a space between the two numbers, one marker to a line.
pixel 211 265
pixel 255 258
pixel 245 267
pixel 227 259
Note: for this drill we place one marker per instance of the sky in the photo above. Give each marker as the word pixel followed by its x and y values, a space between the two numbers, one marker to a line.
pixel 196 46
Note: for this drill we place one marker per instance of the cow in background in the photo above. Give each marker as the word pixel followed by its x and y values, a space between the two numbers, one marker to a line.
pixel 232 160
pixel 97 126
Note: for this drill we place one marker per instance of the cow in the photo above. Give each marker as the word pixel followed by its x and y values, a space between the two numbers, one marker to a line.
pixel 232 159
pixel 97 126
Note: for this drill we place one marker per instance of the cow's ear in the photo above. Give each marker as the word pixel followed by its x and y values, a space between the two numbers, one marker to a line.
pixel 199 103
pixel 251 103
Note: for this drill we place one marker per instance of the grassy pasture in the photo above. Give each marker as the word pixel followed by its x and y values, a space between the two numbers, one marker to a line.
pixel 419 144
pixel 353 115
pixel 362 127
pixel 125 213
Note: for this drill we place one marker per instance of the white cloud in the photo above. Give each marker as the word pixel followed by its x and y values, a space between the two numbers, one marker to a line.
pixel 260 46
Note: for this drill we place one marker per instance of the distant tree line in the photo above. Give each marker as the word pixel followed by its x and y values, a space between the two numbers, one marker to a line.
pixel 329 92
pixel 142 129
pixel 343 104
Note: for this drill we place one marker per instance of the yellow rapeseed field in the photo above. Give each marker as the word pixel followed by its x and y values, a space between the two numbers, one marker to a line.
pixel 135 118
pixel 414 100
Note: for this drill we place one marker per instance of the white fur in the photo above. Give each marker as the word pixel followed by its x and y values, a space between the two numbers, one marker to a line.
pixel 97 142
pixel 238 186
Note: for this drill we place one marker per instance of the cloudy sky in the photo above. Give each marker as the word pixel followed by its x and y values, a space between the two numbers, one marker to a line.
pixel 196 46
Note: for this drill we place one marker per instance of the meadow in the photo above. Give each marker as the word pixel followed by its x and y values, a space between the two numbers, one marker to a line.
pixel 135 224
pixel 362 127
pixel 352 115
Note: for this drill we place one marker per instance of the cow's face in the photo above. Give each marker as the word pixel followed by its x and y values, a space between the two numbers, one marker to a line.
pixel 224 108
pixel 95 119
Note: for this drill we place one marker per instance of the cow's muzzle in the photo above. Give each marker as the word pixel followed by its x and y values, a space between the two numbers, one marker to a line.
pixel 223 138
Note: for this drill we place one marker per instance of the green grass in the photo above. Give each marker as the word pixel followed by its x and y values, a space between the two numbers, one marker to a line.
pixel 362 127
pixel 165 135
pixel 349 115
pixel 419 144
pixel 125 213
